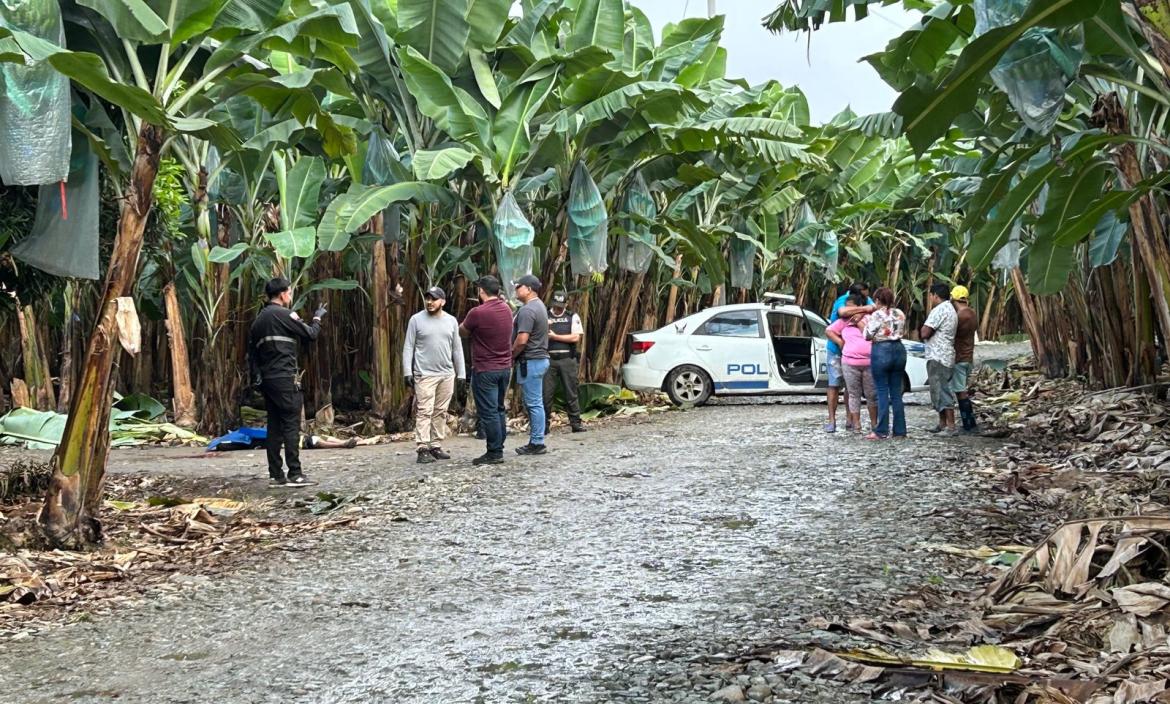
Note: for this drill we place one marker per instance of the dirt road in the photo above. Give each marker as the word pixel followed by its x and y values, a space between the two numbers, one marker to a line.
pixel 618 567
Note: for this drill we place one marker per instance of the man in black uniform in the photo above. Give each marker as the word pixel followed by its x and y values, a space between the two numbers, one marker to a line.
pixel 564 334
pixel 272 353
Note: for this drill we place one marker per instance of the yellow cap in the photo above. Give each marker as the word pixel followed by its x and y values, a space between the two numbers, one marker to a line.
pixel 960 293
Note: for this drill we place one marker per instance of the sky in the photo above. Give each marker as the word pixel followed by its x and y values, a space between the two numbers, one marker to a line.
pixel 833 80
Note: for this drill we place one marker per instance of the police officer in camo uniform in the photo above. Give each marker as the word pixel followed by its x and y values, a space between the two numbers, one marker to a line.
pixel 564 335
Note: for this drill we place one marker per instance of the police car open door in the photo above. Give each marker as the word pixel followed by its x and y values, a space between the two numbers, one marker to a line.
pixel 795 347
pixel 734 350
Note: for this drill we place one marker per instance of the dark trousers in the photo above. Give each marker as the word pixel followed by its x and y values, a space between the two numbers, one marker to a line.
pixel 564 370
pixel 282 398
pixel 489 389
pixel 888 366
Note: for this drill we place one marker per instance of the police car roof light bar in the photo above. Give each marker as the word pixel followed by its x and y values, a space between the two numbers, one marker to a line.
pixel 775 299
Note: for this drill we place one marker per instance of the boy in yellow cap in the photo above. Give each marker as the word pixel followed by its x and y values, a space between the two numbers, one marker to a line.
pixel 964 355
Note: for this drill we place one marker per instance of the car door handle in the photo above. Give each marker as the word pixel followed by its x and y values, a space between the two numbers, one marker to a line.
pixel 704 348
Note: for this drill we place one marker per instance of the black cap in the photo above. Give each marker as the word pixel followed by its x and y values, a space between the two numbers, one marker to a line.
pixel 436 293
pixel 530 281
pixel 277 286
pixel 560 298
pixel 488 284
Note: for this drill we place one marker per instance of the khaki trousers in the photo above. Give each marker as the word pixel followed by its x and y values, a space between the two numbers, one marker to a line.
pixel 432 395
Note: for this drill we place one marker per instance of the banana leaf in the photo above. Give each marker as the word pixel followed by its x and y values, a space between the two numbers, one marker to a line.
pixel 42 430
pixel 141 406
pixel 36 430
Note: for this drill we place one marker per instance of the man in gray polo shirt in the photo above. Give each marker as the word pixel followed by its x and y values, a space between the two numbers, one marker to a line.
pixel 530 350
pixel 432 359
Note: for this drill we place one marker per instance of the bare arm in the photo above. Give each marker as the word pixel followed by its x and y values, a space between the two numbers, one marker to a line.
pixel 460 366
pixel 926 332
pixel 519 344
pixel 850 311
pixel 576 331
pixel 836 338
pixel 408 349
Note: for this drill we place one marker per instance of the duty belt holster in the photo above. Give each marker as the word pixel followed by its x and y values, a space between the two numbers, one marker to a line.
pixel 523 365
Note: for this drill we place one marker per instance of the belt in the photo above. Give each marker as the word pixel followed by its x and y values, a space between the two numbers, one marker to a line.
pixel 881 342
pixel 558 354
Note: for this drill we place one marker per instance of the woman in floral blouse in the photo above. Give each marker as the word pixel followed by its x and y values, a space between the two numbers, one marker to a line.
pixel 885 328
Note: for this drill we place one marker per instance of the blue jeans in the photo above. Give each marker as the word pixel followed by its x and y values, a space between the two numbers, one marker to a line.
pixel 532 384
pixel 888 365
pixel 489 389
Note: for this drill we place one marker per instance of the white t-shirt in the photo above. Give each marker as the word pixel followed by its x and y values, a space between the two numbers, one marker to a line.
pixel 941 345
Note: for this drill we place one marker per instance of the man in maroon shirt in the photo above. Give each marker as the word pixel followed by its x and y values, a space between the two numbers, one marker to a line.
pixel 489 325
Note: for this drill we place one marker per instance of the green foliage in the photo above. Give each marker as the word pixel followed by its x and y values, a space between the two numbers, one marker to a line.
pixel 170 196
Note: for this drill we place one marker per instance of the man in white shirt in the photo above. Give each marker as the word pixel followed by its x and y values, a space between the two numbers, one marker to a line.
pixel 939 333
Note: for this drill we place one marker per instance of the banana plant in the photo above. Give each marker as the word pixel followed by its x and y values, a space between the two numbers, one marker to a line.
pixel 1066 197
pixel 157 62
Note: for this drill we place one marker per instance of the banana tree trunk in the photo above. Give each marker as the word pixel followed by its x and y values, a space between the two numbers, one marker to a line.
pixel 601 350
pixel 391 291
pixel 987 306
pixel 219 380
pixel 672 299
pixel 36 364
pixel 1031 318
pixel 617 353
pixel 692 301
pixel 583 370
pixel 559 243
pixel 650 310
pixel 894 267
pixel 930 262
pixel 1149 235
pixel 1153 17
pixel 68 516
pixel 182 392
pixel 386 364
pixel 68 339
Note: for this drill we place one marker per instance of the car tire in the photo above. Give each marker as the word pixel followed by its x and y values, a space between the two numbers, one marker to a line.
pixel 906 386
pixel 688 385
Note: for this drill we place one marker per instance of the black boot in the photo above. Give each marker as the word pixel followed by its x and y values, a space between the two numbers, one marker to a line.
pixel 967 412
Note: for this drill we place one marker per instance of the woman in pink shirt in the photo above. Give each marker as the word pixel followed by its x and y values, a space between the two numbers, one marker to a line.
pixel 849 334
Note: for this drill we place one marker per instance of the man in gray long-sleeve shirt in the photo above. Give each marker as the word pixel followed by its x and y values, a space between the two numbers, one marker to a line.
pixel 432 359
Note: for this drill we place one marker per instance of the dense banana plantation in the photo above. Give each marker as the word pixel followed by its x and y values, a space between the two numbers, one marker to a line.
pixel 1064 106
pixel 162 159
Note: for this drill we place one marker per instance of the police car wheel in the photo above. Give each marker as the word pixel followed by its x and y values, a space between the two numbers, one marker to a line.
pixel 688 385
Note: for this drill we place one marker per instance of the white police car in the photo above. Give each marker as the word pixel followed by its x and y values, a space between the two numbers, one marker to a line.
pixel 774 347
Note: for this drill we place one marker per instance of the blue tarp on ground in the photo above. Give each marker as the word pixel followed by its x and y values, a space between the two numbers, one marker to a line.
pixel 240 439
